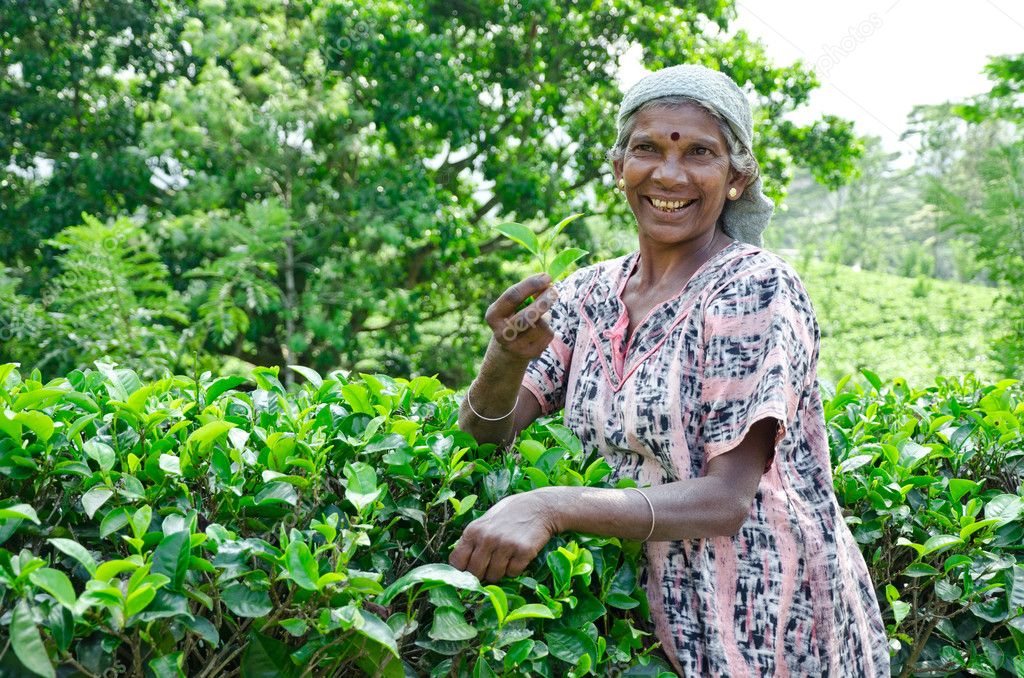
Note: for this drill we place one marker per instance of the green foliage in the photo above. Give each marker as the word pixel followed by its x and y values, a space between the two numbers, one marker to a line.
pixel 976 187
pixel 73 75
pixel 110 297
pixel 930 481
pixel 543 246
pixel 992 219
pixel 900 327
pixel 322 179
pixel 203 527
pixel 224 524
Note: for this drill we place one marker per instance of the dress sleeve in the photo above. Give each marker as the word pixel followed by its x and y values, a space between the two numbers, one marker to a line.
pixel 546 375
pixel 760 351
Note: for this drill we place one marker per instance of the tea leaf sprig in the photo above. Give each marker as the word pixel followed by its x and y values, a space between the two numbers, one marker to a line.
pixel 543 248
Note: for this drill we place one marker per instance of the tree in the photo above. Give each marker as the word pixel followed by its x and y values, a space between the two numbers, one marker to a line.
pixel 74 72
pixel 981 196
pixel 328 173
pixel 111 299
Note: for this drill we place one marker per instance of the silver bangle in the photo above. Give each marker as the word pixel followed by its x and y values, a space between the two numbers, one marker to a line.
pixel 648 499
pixel 482 416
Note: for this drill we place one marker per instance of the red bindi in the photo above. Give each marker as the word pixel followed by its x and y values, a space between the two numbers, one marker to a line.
pixel 675 136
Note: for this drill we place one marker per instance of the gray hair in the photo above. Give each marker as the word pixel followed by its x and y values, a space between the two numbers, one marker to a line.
pixel 741 158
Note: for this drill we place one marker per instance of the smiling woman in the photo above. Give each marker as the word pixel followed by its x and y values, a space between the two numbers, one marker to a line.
pixel 691 365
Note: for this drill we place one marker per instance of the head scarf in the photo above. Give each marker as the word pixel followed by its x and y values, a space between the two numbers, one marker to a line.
pixel 747 216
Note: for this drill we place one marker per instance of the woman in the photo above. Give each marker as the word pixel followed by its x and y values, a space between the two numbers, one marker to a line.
pixel 691 365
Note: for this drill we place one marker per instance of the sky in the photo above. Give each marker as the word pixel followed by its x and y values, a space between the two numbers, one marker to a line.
pixel 877 59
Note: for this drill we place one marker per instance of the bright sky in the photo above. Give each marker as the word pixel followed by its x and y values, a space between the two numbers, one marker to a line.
pixel 877 59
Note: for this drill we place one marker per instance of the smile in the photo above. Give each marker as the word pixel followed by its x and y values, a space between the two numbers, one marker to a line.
pixel 669 206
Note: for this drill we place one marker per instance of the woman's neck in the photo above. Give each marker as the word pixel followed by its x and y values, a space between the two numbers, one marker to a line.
pixel 669 267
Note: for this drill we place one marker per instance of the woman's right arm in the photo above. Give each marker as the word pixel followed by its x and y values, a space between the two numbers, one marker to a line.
pixel 517 339
pixel 493 393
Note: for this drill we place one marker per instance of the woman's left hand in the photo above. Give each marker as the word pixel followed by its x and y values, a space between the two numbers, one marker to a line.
pixel 504 540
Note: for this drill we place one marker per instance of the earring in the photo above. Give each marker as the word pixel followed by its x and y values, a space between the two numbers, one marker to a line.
pixel 732 193
pixel 622 183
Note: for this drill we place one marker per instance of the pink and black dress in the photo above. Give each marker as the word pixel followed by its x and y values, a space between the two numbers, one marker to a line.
pixel 790 595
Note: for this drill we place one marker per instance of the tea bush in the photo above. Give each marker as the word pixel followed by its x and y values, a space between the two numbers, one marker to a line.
pixel 219 526
pixel 931 483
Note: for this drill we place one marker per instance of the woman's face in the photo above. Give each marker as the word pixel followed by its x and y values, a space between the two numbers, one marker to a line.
pixel 677 156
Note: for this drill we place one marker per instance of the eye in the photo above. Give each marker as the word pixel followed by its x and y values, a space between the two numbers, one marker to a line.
pixel 705 149
pixel 643 147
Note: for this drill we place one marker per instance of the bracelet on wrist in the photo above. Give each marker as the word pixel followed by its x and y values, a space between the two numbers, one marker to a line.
pixel 473 409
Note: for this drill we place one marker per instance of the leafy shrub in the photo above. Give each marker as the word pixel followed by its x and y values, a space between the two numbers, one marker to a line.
pixel 931 483
pixel 219 526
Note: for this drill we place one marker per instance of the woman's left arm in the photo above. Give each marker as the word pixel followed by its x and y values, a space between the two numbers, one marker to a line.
pixel 505 539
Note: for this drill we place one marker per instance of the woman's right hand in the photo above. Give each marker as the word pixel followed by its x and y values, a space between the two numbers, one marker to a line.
pixel 525 333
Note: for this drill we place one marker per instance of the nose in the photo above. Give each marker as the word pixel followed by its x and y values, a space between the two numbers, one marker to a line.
pixel 670 173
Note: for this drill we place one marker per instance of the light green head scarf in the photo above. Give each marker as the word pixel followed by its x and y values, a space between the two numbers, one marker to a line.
pixel 745 218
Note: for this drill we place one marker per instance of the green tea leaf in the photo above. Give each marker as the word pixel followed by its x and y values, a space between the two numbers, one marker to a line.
pixel 531 450
pixel 381 634
pixel 294 627
pixel 75 550
pixel 57 584
pixel 170 463
pixel 38 399
pixel 245 602
pixel 900 610
pixel 139 599
pixel 37 422
pixel 435 573
pixel 171 558
pixel 520 234
pixel 168 666
pixel 563 260
pixel 267 657
pixel 310 375
pixel 94 499
pixel 112 522
pixel 361 489
pixel 450 624
pixel 499 600
pixel 112 568
pixel 530 611
pixel 872 378
pixel 27 644
pixel 204 436
pixel 223 385
pixel 561 571
pixel 1004 508
pixel 940 542
pixel 101 452
pixel 560 226
pixel 958 487
pixel 301 565
pixel 569 644
pixel 20 511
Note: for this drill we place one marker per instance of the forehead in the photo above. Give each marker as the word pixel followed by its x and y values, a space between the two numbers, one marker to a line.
pixel 687 119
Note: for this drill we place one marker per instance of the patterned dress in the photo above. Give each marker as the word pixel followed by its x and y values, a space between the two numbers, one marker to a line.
pixel 790 595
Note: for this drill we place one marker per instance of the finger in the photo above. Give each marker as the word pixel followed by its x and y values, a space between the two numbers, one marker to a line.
pixel 516 566
pixel 510 299
pixel 523 321
pixel 498 566
pixel 479 561
pixel 459 558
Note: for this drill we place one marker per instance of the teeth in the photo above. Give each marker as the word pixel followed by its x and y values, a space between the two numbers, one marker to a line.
pixel 670 205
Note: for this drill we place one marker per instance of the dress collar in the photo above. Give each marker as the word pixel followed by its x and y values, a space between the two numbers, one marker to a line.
pixel 606 314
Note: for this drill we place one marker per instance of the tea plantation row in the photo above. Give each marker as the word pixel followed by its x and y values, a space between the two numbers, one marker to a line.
pixel 219 526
